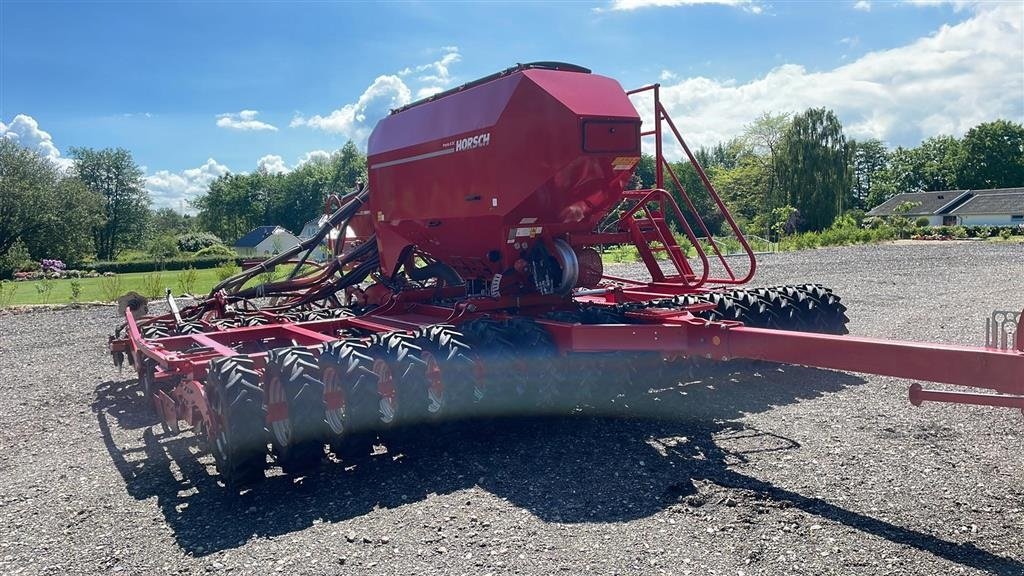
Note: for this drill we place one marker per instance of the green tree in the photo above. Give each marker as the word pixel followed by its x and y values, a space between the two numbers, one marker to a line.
pixel 869 158
pixel 169 221
pixel 28 185
pixel 815 162
pixel 51 212
pixel 68 232
pixel 113 174
pixel 349 167
pixel 764 137
pixel 993 156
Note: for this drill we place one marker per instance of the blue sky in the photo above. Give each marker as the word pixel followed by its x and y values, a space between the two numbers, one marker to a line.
pixel 197 89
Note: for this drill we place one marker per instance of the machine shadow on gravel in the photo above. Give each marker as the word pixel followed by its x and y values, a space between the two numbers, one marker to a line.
pixel 583 468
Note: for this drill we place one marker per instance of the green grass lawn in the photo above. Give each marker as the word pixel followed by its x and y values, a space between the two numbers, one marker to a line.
pixel 93 288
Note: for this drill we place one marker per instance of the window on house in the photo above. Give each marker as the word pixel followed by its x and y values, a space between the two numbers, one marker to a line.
pixel 1017 217
pixel 949 220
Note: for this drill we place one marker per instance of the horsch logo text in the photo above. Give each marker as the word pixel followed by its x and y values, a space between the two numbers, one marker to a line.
pixel 473 142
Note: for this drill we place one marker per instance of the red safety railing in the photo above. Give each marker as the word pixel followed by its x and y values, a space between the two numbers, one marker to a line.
pixel 684 271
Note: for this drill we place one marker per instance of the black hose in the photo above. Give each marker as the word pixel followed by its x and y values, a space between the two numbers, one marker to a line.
pixel 342 214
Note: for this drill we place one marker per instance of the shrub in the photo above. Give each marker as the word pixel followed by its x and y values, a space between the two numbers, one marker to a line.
pixel 152 285
pixel 44 287
pixel 1005 233
pixel 227 270
pixel 110 286
pixel 981 231
pixel 196 241
pixel 216 251
pixel 152 265
pixel 187 280
pixel 873 222
pixel 76 290
pixel 163 248
pixel 7 292
pixel 958 232
pixel 922 222
pixel 14 260
pixel 52 266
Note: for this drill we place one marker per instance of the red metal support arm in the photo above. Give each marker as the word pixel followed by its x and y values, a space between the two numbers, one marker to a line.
pixel 994 369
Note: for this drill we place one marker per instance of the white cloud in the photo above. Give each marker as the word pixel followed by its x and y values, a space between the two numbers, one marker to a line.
pixel 272 164
pixel 667 75
pixel 314 156
pixel 24 130
pixel 175 189
pixel 437 72
pixel 355 120
pixel 850 41
pixel 244 120
pixel 628 5
pixel 957 5
pixel 428 91
pixel 863 5
pixel 944 83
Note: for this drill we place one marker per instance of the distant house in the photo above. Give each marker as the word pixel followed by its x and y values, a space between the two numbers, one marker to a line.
pixel 265 241
pixel 309 229
pixel 994 207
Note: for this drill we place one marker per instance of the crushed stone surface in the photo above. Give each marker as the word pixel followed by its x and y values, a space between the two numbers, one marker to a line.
pixel 737 469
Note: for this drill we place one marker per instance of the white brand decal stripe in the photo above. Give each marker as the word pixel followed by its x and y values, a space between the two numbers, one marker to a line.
pixel 435 154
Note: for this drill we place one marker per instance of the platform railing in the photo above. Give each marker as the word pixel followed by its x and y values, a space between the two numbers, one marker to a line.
pixel 662 166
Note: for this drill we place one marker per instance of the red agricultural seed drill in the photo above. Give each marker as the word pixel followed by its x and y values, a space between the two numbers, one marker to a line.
pixel 464 281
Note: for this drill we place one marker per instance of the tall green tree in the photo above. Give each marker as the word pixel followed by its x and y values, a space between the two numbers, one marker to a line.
pixel 869 158
pixel 349 167
pixel 169 221
pixel 113 174
pixel 28 185
pixel 815 162
pixel 992 156
pixel 764 138
pixel 49 211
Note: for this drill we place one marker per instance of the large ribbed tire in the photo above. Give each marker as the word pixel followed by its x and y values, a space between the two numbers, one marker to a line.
pixel 451 372
pixel 499 383
pixel 293 377
pixel 350 398
pixel 236 401
pixel 404 400
pixel 188 328
pixel 544 368
pixel 153 331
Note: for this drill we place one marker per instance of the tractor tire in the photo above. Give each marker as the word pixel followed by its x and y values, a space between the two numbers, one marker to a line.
pixel 236 402
pixel 153 331
pixel 542 365
pixel 188 328
pixel 499 382
pixel 450 370
pixel 397 356
pixel 293 376
pixel 350 398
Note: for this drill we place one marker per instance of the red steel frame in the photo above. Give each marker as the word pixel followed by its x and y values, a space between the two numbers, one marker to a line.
pixel 182 360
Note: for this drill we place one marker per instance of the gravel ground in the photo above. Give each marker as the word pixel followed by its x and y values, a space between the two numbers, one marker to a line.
pixel 766 471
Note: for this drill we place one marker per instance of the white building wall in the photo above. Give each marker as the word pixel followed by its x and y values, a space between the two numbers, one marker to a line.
pixel 989 220
pixel 276 243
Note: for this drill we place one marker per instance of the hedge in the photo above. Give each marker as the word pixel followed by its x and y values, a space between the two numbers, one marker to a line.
pixel 153 265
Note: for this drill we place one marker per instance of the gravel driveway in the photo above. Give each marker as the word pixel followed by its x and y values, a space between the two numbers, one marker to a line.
pixel 765 471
